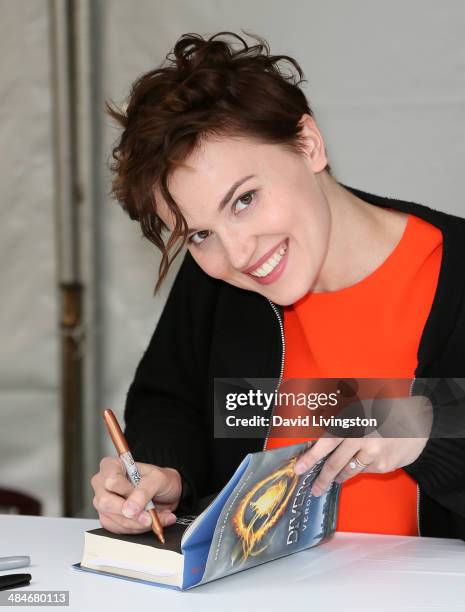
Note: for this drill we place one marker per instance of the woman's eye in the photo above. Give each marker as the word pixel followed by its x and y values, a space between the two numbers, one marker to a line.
pixel 199 237
pixel 244 201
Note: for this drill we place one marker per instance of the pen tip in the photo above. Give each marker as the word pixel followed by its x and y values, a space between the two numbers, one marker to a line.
pixel 159 534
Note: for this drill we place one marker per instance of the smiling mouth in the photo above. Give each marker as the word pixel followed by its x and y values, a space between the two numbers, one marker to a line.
pixel 270 264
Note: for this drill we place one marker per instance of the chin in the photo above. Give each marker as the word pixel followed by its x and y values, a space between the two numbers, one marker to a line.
pixel 296 292
pixel 288 298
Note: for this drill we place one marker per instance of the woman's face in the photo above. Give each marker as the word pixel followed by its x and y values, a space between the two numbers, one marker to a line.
pixel 257 214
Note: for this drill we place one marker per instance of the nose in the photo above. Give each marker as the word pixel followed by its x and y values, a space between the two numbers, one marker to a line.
pixel 239 248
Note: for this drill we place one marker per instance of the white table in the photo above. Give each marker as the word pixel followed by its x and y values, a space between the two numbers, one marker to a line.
pixel 352 572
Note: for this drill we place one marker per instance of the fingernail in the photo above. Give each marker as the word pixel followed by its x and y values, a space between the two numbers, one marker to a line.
pixel 145 519
pixel 130 509
pixel 300 468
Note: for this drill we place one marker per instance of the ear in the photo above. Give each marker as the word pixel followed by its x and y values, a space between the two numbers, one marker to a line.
pixel 312 143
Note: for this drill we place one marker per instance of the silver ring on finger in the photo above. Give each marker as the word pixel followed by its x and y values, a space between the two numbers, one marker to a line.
pixel 355 464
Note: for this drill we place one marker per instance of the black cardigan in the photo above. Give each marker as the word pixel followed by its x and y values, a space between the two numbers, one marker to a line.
pixel 210 329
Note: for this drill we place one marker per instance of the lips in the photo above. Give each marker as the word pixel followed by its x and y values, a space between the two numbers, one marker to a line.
pixel 270 267
pixel 265 258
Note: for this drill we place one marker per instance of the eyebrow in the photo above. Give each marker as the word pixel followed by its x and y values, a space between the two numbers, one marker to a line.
pixel 231 191
pixel 228 195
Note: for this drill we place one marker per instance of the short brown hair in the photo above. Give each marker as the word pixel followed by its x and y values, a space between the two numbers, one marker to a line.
pixel 206 87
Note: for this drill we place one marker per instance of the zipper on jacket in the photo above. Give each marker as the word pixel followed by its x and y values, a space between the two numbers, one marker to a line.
pixel 418 487
pixel 283 351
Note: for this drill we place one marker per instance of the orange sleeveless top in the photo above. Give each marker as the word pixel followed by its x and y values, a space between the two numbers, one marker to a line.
pixel 371 329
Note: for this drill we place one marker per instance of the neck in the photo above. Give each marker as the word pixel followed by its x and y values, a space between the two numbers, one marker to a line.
pixel 361 237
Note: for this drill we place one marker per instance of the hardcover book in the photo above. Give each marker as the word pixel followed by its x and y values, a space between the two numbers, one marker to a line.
pixel 264 512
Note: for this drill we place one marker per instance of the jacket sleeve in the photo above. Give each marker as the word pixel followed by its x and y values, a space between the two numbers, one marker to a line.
pixel 166 402
pixel 440 468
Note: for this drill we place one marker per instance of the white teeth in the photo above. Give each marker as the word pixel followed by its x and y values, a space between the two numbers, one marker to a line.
pixel 267 267
pixel 270 264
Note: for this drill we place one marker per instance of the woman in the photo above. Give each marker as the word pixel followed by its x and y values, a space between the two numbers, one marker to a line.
pixel 288 274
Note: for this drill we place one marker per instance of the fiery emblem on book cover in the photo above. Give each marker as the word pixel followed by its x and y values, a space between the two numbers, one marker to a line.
pixel 259 511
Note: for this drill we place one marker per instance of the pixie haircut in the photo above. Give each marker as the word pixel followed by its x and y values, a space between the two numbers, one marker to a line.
pixel 215 87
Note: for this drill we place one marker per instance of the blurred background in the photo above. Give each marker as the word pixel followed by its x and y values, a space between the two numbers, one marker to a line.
pixel 386 82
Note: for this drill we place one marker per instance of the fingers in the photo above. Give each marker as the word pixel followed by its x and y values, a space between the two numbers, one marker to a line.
pixel 359 463
pixel 351 456
pixel 166 517
pixel 319 450
pixel 153 483
pixel 163 484
pixel 119 484
pixel 110 466
pixel 121 506
pixel 108 480
pixel 119 524
pixel 111 490
pixel 336 462
pixel 105 501
pixel 110 506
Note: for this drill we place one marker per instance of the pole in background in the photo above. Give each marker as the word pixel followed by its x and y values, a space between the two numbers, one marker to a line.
pixel 68 226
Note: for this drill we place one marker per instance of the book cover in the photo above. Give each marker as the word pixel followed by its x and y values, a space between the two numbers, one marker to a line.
pixel 264 512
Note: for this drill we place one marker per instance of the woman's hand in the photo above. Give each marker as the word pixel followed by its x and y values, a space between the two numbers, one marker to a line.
pixel 120 505
pixel 372 454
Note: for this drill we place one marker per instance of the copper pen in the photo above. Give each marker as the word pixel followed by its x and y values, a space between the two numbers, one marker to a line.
pixel 124 453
